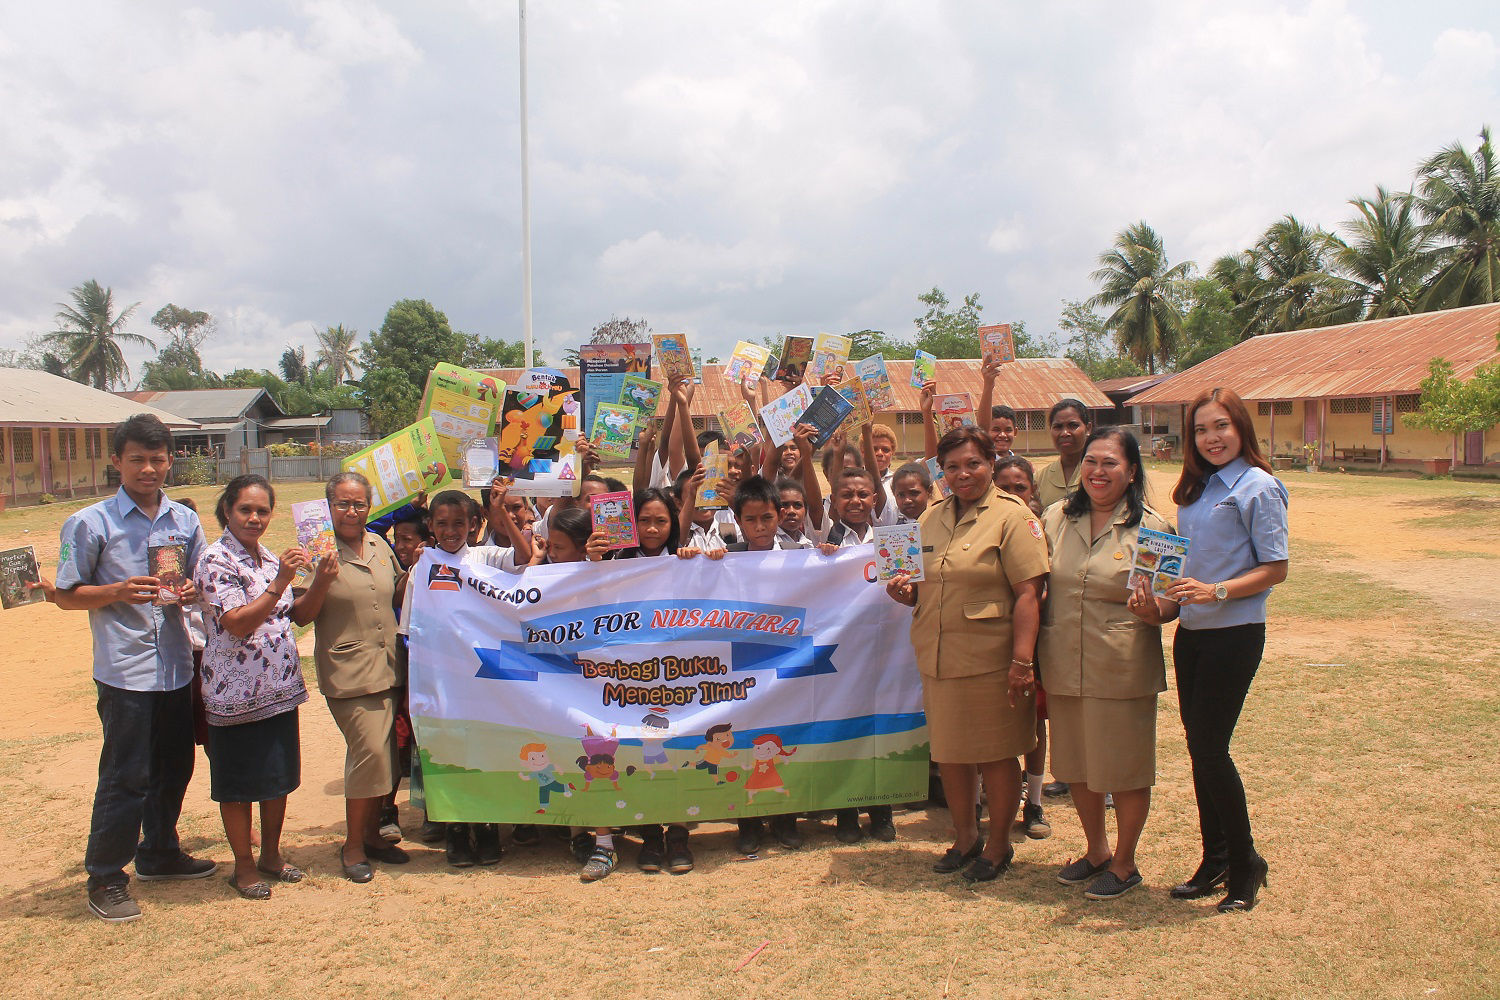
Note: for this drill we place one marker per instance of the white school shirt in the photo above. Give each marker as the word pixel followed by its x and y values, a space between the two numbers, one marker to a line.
pixel 850 536
pixel 706 539
pixel 786 541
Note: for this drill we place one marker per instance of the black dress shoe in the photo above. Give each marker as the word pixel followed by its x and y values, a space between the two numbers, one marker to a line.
pixel 953 859
pixel 360 871
pixel 784 829
pixel 1209 876
pixel 386 854
pixel 1053 789
pixel 1244 883
pixel 487 850
pixel 748 839
pixel 982 869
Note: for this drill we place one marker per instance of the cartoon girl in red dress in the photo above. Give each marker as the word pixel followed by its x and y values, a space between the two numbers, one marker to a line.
pixel 766 749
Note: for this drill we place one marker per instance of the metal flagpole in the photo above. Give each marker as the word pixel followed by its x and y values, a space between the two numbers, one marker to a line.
pixel 525 201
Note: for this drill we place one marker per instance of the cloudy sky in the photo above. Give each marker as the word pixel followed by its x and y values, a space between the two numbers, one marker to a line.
pixel 726 169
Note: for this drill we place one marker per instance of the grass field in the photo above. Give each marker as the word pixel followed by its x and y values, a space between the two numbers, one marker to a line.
pixel 1368 747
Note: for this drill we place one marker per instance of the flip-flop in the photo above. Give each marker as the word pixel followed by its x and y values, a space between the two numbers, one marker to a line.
pixel 288 873
pixel 255 890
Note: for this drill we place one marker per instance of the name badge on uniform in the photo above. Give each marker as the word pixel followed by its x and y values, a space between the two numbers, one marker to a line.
pixel 927 548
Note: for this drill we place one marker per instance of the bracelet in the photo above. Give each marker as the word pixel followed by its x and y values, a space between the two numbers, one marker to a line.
pixel 1028 664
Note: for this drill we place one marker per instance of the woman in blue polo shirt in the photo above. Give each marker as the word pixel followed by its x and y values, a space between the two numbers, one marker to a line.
pixel 1234 512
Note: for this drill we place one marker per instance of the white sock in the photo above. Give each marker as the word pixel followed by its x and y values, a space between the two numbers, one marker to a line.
pixel 605 840
pixel 1033 789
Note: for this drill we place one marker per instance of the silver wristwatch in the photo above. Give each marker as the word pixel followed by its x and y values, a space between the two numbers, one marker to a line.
pixel 1221 593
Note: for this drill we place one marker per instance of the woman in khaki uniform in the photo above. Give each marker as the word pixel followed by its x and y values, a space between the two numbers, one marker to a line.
pixel 1069 424
pixel 1101 650
pixel 984 561
pixel 356 657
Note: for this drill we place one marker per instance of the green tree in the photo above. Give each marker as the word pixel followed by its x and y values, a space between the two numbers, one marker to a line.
pixel 615 330
pixel 337 354
pixel 186 330
pixel 865 343
pixel 390 399
pixel 1290 262
pixel 293 366
pixel 414 337
pixel 1210 325
pixel 1031 345
pixel 1136 280
pixel 1460 200
pixel 948 332
pixel 487 352
pixel 1381 266
pixel 1450 406
pixel 89 336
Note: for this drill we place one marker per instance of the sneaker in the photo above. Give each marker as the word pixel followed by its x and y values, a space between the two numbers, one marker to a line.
pixel 183 866
pixel 1109 885
pixel 1036 825
pixel 525 835
pixel 582 847
pixel 848 831
pixel 599 864
pixel 460 848
pixel 881 826
pixel 679 856
pixel 1109 800
pixel 390 825
pixel 1055 789
pixel 653 853
pixel 112 903
pixel 431 833
pixel 487 850
pixel 784 829
pixel 1081 871
pixel 748 840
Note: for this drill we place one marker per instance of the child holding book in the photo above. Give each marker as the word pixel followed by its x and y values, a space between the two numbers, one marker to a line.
pixel 911 485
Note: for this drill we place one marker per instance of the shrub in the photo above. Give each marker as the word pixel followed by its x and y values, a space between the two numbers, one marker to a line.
pixel 195 470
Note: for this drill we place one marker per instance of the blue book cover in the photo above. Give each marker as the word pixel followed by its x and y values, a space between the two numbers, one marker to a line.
pixel 829 409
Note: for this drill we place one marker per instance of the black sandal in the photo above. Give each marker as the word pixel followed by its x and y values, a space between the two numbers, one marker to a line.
pixel 255 890
pixel 287 873
pixel 982 869
pixel 953 859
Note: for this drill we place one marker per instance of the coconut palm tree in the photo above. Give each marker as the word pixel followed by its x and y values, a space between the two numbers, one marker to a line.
pixel 89 336
pixel 1382 266
pixel 336 352
pixel 1136 280
pixel 1289 260
pixel 1460 199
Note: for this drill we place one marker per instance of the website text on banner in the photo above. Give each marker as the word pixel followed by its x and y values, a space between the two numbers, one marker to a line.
pixel 659 690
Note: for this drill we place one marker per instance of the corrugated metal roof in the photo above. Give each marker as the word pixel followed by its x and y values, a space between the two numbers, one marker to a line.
pixel 1024 384
pixel 1374 358
pixel 296 423
pixel 205 404
pixel 1129 383
pixel 36 399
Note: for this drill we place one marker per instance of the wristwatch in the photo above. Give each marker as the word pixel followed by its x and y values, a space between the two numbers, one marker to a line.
pixel 1221 593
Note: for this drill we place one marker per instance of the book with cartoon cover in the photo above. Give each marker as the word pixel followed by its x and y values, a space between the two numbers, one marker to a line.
pixel 854 392
pixel 168 564
pixel 712 495
pixel 898 549
pixel 672 356
pixel 796 354
pixel 481 461
pixel 314 522
pixel 781 414
pixel 18 567
pixel 938 482
pixel 696 354
pixel 747 362
pixel 953 409
pixel 877 382
pixel 537 434
pixel 641 393
pixel 923 369
pixel 773 364
pixel 830 357
pixel 614 428
pixel 1160 557
pixel 829 409
pixel 996 343
pixel 603 370
pixel 613 515
pixel 462 404
pixel 740 426
pixel 401 465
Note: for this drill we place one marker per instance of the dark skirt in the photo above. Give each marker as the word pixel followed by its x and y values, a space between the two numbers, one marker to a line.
pixel 256 761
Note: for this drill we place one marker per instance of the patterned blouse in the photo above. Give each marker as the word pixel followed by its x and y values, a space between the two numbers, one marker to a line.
pixel 245 680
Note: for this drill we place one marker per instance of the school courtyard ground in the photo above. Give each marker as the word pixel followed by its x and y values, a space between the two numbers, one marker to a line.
pixel 1368 746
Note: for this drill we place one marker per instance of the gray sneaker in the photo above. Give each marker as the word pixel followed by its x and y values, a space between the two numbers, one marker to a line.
pixel 1111 886
pixel 184 866
pixel 112 903
pixel 599 865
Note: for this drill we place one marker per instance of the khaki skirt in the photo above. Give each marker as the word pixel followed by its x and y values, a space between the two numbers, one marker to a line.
pixel 1108 744
pixel 970 719
pixel 368 722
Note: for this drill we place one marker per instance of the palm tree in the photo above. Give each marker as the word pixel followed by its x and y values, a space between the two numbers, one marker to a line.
pixel 294 366
pixel 1289 260
pixel 1382 267
pixel 336 352
pixel 1460 199
pixel 90 333
pixel 1136 280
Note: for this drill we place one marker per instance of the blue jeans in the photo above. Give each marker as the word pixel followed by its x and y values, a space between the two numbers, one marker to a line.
pixel 144 769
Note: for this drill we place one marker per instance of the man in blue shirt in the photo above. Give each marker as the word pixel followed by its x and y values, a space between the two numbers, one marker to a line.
pixel 143 666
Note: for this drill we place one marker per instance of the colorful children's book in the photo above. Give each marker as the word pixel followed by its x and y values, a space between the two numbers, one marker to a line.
pixel 772 366
pixel 672 356
pixel 481 461
pixel 796 354
pixel 1159 557
pixel 169 565
pixel 740 426
pixel 641 393
pixel 712 494
pixel 854 392
pixel 923 369
pixel 401 465
pixel 696 354
pixel 781 414
pixel 954 409
pixel 18 567
pixel 747 362
pixel 614 518
pixel 829 409
pixel 877 382
pixel 314 523
pixel 830 357
pixel 602 370
pixel 938 482
pixel 996 343
pixel 614 429
pixel 462 404
pixel 898 549
pixel 537 434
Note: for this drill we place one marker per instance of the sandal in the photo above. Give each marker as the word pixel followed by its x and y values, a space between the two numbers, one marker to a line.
pixel 255 890
pixel 288 873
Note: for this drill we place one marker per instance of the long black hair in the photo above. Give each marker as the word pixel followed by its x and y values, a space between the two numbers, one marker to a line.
pixel 1078 502
pixel 665 498
pixel 231 495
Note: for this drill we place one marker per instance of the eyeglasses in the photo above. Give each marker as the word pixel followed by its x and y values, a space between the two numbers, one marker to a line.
pixel 346 506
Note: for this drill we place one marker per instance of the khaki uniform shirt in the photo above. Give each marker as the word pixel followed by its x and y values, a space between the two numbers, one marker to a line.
pixel 355 649
pixel 1091 645
pixel 1052 487
pixel 962 625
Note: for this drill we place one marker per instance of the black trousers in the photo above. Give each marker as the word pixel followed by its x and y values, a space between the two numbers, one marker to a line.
pixel 1214 669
